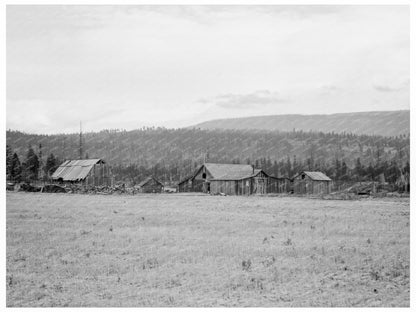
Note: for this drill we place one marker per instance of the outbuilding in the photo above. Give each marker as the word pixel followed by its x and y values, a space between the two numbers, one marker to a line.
pixel 232 179
pixel 312 182
pixel 92 172
pixel 150 185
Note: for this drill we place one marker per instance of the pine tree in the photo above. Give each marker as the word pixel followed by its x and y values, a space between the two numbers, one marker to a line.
pixel 32 165
pixel 9 161
pixel 275 169
pixel 16 168
pixel 40 168
pixel 295 165
pixel 358 168
pixel 51 165
pixel 338 172
pixel 344 171
pixel 288 168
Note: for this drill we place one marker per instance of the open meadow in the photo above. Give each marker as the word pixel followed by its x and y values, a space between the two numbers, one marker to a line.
pixel 200 250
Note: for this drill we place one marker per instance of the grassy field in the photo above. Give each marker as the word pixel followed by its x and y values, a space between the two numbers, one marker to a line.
pixel 196 250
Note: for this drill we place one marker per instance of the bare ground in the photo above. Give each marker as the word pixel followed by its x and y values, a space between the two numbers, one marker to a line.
pixel 190 250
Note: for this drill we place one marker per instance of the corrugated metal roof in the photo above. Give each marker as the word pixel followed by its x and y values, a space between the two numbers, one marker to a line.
pixel 75 170
pixel 316 175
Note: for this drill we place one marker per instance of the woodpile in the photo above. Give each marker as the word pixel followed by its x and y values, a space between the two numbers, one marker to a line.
pixel 100 190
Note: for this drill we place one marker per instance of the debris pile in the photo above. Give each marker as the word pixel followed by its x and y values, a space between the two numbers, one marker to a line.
pixel 52 188
pixel 27 187
pixel 100 190
pixel 362 188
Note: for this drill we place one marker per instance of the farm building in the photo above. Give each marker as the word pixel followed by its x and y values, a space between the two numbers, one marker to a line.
pixel 150 185
pixel 232 179
pixel 93 172
pixel 311 182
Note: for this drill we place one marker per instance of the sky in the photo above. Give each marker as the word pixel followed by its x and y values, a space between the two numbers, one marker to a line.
pixel 125 67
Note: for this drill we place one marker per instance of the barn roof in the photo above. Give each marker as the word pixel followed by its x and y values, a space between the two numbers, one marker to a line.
pixel 75 170
pixel 186 178
pixel 315 175
pixel 231 171
pixel 226 172
pixel 147 180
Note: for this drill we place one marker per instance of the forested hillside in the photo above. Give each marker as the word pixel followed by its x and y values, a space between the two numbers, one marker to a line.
pixel 371 123
pixel 171 154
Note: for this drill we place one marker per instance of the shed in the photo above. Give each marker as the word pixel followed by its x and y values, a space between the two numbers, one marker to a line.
pixel 311 182
pixel 232 179
pixel 185 185
pixel 93 172
pixel 150 185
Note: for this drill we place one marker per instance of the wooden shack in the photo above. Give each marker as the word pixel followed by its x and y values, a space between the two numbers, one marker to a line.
pixel 185 185
pixel 312 182
pixel 150 185
pixel 232 179
pixel 92 172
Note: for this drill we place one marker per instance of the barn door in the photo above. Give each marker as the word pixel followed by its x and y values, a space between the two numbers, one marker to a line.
pixel 261 186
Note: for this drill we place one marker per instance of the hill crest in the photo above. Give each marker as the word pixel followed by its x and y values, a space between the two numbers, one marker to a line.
pixel 384 123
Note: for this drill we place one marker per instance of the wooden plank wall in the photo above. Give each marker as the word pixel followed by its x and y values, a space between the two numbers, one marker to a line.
pixel 226 187
pixel 311 187
pixel 100 175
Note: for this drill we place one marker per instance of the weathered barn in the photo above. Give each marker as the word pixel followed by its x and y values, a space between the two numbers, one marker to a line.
pixel 150 185
pixel 311 182
pixel 93 172
pixel 232 179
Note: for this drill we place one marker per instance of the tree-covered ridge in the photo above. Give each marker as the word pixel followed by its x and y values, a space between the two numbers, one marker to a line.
pixel 172 154
pixel 384 123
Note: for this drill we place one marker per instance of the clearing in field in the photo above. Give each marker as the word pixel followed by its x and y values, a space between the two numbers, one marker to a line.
pixel 195 250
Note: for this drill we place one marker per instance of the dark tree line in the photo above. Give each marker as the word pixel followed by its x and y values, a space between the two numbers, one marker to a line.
pixel 32 168
pixel 172 154
pixel 336 169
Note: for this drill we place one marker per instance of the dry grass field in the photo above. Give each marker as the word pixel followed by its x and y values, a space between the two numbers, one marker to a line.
pixel 196 250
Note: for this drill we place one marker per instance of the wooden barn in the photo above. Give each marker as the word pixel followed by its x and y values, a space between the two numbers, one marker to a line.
pixel 150 185
pixel 232 179
pixel 311 182
pixel 92 172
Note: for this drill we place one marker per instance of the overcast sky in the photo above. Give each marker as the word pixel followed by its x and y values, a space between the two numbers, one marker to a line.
pixel 133 66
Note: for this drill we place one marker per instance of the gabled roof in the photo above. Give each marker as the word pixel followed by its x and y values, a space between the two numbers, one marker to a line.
pixel 75 170
pixel 231 171
pixel 147 180
pixel 226 172
pixel 186 178
pixel 315 175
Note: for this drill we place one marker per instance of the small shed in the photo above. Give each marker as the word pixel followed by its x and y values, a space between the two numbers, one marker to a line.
pixel 150 185
pixel 232 179
pixel 185 185
pixel 92 172
pixel 312 182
